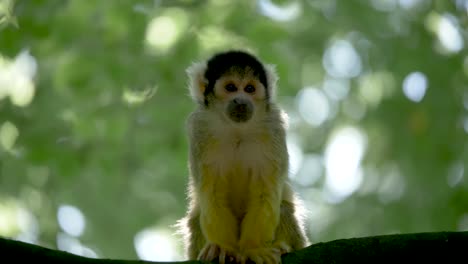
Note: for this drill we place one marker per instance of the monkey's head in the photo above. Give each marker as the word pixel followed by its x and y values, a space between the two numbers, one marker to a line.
pixel 234 83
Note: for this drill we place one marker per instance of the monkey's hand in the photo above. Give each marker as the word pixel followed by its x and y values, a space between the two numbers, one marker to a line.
pixel 218 224
pixel 282 247
pixel 267 255
pixel 212 251
pixel 259 226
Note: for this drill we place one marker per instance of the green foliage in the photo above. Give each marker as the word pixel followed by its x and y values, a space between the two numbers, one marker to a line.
pixel 103 128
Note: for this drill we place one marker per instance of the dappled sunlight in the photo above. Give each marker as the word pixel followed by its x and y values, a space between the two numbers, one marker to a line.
pixel 73 245
pixel 448 33
pixel 341 60
pixel 336 89
pixel 313 106
pixel 17 222
pixel 376 86
pixel 73 223
pixel 71 220
pixel 446 28
pixel 414 86
pixel 94 103
pixel 156 245
pixel 280 13
pixel 137 97
pixel 6 13
pixel 164 30
pixel 343 155
pixel 17 78
pixel 8 135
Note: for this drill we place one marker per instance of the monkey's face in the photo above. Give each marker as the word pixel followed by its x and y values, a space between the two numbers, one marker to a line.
pixel 240 96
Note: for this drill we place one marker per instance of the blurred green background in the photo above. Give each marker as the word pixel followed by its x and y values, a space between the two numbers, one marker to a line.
pixel 93 102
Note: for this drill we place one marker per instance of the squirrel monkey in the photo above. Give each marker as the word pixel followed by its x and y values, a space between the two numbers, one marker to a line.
pixel 241 205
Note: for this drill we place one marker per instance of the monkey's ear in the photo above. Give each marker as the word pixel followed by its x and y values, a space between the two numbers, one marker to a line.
pixel 272 79
pixel 197 81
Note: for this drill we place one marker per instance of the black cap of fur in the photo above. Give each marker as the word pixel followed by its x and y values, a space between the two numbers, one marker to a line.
pixel 222 63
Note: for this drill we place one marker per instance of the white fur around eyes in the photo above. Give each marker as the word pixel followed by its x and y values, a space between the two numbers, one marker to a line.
pixel 197 79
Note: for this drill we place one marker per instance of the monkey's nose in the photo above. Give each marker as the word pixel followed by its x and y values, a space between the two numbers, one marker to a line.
pixel 240 110
pixel 241 105
pixel 240 101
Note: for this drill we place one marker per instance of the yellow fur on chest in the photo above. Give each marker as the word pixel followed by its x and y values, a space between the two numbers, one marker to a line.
pixel 238 166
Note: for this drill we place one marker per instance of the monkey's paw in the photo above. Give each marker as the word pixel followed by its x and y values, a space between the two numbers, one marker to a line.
pixel 212 251
pixel 260 256
pixel 283 247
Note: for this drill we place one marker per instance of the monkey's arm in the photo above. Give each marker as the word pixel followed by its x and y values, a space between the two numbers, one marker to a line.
pixel 214 220
pixel 218 224
pixel 262 218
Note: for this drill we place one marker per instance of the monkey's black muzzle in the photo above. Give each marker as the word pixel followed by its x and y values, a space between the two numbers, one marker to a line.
pixel 240 110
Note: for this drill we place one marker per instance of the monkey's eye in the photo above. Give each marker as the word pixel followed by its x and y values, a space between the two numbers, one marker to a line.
pixel 249 89
pixel 230 87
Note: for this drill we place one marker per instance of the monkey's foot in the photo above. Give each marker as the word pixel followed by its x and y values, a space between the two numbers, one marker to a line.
pixel 260 256
pixel 283 247
pixel 212 251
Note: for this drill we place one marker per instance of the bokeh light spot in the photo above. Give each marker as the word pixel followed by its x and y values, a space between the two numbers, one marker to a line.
pixel 343 156
pixel 449 34
pixel 71 220
pixel 414 86
pixel 137 97
pixel 163 31
pixel 16 78
pixel 371 88
pixel 17 221
pixel 313 106
pixel 341 60
pixel 8 135
pixel 280 13
pixel 71 244
pixel 155 245
pixel 336 89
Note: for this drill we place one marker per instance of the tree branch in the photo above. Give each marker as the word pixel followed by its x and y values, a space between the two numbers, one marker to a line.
pixel 434 247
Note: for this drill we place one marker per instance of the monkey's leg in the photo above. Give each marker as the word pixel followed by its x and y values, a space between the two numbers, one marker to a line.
pixel 290 234
pixel 217 222
pixel 195 239
pixel 260 223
